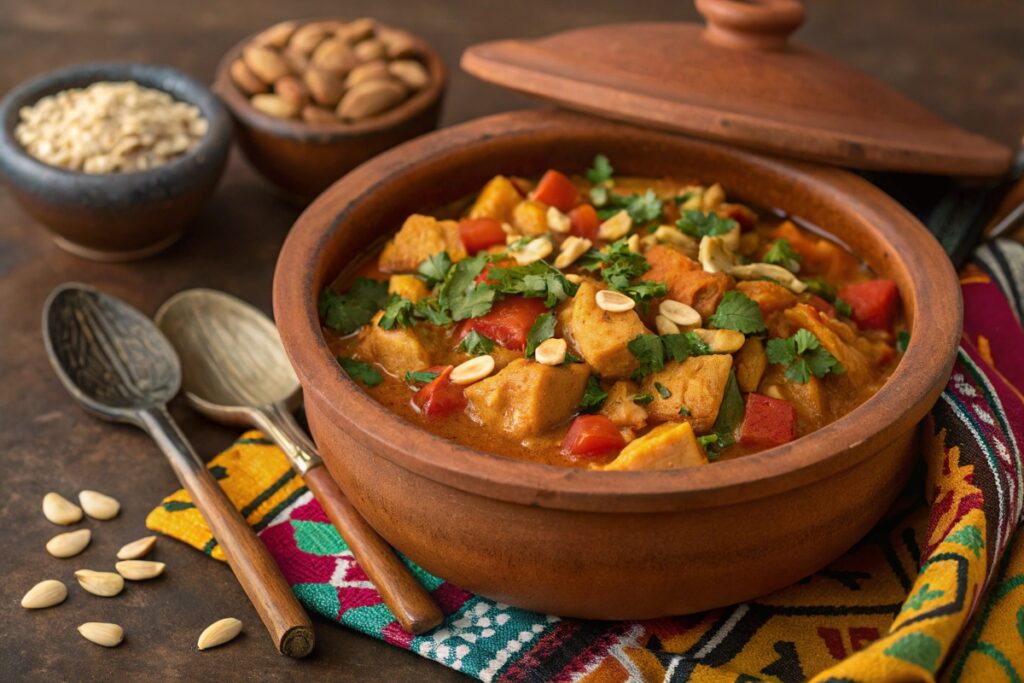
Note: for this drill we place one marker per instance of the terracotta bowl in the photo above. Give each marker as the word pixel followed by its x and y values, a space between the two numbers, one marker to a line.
pixel 115 216
pixel 614 545
pixel 303 159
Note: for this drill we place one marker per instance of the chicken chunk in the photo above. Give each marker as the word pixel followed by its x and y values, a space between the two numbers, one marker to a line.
pixel 497 200
pixel 620 408
pixel 667 446
pixel 601 336
pixel 398 350
pixel 408 287
pixel 751 362
pixel 769 296
pixel 697 384
pixel 527 398
pixel 420 238
pixel 686 279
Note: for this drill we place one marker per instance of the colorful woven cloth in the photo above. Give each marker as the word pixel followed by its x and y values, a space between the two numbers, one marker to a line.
pixel 936 590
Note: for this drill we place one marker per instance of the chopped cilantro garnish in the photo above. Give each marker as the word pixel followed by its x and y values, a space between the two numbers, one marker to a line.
pixel 543 328
pixel 537 280
pixel 346 313
pixel 662 390
pixel 902 340
pixel 520 243
pixel 431 311
pixel 619 268
pixel 644 208
pixel 476 344
pixel 421 376
pixel 842 308
pixel 593 396
pixel 435 268
pixel 685 197
pixel 643 399
pixel 683 345
pixel 730 415
pixel 683 410
pixel 601 171
pixel 571 358
pixel 827 292
pixel 803 356
pixel 707 440
pixel 398 312
pixel 461 294
pixel 739 312
pixel 650 351
pixel 699 224
pixel 782 254
pixel 358 370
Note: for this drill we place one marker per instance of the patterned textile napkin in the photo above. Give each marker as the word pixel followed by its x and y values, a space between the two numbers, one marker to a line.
pixel 936 590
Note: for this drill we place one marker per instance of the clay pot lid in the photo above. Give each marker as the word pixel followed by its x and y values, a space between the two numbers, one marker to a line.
pixel 739 80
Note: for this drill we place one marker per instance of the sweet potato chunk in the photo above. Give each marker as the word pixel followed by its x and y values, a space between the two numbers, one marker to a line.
pixel 751 362
pixel 408 287
pixel 667 446
pixel 685 278
pixel 420 238
pixel 398 350
pixel 530 218
pixel 810 400
pixel 697 383
pixel 497 200
pixel 527 398
pixel 769 296
pixel 620 408
pixel 601 336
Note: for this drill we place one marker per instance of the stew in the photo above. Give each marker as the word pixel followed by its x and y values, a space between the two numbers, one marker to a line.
pixel 614 323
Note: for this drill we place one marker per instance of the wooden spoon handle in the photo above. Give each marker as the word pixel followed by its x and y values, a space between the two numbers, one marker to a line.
pixel 401 592
pixel 249 559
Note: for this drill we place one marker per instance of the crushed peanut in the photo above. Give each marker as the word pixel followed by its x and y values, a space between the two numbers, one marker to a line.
pixel 109 127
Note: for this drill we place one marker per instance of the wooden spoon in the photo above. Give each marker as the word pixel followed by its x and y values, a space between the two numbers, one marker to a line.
pixel 115 362
pixel 236 372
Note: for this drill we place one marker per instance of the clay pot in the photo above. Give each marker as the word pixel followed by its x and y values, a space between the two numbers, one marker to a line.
pixel 304 158
pixel 614 545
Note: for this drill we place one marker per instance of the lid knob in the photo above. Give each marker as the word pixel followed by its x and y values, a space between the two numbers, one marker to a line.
pixel 750 24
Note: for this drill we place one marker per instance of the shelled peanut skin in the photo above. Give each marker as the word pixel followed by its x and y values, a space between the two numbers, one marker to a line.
pixel 329 71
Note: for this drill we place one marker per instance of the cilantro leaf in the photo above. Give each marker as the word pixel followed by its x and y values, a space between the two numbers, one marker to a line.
pixel 346 313
pixel 644 208
pixel 650 351
pixel 593 396
pixel 398 312
pixel 643 399
pixel 476 344
pixel 683 345
pixel 739 312
pixel 543 328
pixel 358 370
pixel 686 196
pixel 842 308
pixel 802 355
pixel 782 254
pixel 683 410
pixel 435 268
pixel 707 440
pixel 571 357
pixel 699 224
pixel 601 171
pixel 461 294
pixel 815 285
pixel 536 280
pixel 662 390
pixel 431 311
pixel 421 376
pixel 902 340
pixel 730 415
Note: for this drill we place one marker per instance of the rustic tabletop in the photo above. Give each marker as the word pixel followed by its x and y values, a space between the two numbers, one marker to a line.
pixel 958 57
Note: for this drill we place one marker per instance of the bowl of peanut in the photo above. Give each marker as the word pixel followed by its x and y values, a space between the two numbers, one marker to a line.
pixel 313 99
pixel 115 159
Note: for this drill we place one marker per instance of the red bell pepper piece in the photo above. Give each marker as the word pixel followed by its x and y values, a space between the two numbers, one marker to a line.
pixel 479 233
pixel 591 436
pixel 440 396
pixel 822 305
pixel 767 421
pixel 874 303
pixel 585 221
pixel 508 322
pixel 554 189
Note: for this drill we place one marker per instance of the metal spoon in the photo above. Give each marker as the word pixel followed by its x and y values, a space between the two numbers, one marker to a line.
pixel 118 365
pixel 236 372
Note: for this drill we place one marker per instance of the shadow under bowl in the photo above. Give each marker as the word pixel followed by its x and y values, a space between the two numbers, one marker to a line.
pixel 614 545
pixel 115 216
pixel 303 159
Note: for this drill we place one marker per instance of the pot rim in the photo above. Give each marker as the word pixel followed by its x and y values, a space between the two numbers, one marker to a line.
pixel 901 402
pixel 329 133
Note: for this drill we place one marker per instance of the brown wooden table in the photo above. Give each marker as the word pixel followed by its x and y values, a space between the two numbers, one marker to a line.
pixel 959 57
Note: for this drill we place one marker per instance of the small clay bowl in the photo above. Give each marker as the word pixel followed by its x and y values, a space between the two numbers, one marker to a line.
pixel 303 159
pixel 614 545
pixel 115 216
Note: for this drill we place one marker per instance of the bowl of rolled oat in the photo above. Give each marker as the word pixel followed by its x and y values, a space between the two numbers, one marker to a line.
pixel 115 159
